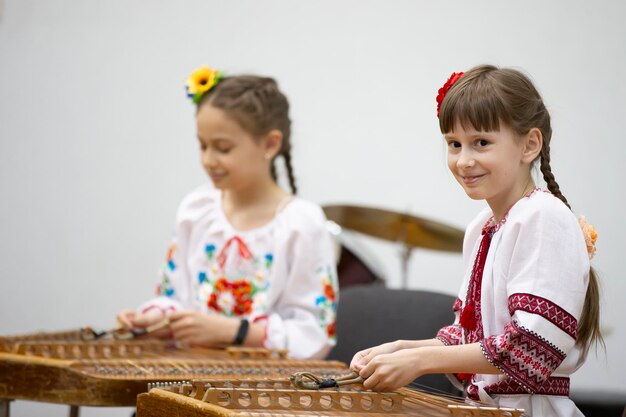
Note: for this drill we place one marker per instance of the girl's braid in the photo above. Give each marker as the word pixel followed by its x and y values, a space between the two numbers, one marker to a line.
pixel 548 176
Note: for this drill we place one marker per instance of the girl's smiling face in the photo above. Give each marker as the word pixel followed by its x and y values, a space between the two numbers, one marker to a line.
pixel 492 166
pixel 231 156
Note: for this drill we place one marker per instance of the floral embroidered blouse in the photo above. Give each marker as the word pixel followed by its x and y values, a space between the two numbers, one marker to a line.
pixel 527 307
pixel 282 274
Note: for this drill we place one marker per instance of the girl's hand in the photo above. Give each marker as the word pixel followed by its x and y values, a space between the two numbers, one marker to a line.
pixel 390 371
pixel 125 318
pixel 201 329
pixel 362 358
pixel 130 319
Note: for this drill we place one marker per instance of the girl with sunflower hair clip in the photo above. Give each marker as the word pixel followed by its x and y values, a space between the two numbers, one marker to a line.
pixel 528 308
pixel 249 264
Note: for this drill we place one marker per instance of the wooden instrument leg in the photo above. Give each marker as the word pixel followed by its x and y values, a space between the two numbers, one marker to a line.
pixel 5 407
pixel 74 411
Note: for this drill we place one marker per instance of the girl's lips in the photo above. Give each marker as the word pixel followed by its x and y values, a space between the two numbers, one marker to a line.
pixel 216 176
pixel 471 179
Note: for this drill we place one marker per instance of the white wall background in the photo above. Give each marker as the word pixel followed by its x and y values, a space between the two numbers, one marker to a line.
pixel 97 141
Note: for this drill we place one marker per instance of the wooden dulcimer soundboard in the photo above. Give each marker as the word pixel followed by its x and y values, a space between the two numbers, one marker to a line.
pixel 62 368
pixel 279 398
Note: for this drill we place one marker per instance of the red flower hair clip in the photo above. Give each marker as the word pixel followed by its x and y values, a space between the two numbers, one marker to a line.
pixel 441 94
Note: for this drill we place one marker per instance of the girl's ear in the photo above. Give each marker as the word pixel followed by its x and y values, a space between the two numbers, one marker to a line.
pixel 272 142
pixel 533 142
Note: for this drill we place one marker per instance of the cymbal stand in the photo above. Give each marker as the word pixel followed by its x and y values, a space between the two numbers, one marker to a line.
pixel 5 407
pixel 405 255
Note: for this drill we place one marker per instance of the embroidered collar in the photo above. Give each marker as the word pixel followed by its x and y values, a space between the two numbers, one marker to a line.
pixel 492 228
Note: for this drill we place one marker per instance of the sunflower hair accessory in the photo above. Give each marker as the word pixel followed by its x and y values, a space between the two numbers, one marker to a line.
pixel 590 235
pixel 441 94
pixel 200 81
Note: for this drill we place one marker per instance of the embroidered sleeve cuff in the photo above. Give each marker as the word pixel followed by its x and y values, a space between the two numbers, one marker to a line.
pixel 450 335
pixel 163 305
pixel 523 355
pixel 549 310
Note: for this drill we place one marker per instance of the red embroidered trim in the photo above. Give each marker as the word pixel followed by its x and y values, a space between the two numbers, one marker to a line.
pixel 523 355
pixel 244 252
pixel 551 386
pixel 471 392
pixel 164 311
pixel 471 317
pixel 471 314
pixel 450 335
pixel 457 305
pixel 259 319
pixel 545 308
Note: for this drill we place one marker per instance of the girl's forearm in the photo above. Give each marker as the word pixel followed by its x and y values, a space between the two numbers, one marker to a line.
pixel 412 344
pixel 454 359
pixel 256 335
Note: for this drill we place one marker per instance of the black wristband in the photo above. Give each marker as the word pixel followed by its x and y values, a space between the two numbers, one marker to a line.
pixel 242 332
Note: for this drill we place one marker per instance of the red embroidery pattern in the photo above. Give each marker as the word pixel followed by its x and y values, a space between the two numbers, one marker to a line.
pixel 450 335
pixel 329 292
pixel 545 308
pixel 471 314
pixel 551 386
pixel 331 329
pixel 471 317
pixel 523 355
pixel 244 251
pixel 457 305
pixel 472 392
pixel 231 298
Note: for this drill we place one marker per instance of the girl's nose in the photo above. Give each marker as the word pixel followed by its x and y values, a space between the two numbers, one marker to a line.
pixel 208 158
pixel 466 160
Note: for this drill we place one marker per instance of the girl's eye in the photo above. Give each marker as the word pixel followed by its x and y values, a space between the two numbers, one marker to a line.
pixel 483 142
pixel 202 146
pixel 454 144
pixel 224 149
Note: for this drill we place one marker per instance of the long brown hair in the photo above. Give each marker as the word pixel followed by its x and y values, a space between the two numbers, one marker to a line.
pixel 486 96
pixel 258 106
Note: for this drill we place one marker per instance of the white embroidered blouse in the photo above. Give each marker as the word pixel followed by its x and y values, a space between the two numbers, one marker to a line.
pixel 531 297
pixel 282 274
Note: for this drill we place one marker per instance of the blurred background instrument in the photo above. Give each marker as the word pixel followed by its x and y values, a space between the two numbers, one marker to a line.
pixel 408 230
pixel 356 265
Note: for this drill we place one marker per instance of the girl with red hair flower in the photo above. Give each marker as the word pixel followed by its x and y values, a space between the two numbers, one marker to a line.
pixel 528 308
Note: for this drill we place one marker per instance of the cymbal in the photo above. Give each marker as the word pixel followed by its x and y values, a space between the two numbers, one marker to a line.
pixel 397 227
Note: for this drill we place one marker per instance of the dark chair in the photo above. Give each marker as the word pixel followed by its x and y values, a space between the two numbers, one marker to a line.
pixel 600 403
pixel 369 315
